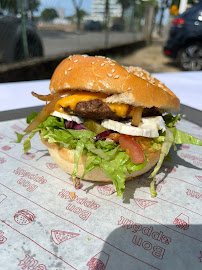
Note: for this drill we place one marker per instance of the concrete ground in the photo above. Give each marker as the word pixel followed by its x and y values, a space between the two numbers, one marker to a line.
pixel 57 42
pixel 150 58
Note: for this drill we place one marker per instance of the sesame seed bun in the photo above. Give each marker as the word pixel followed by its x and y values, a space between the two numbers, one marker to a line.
pixel 64 158
pixel 129 85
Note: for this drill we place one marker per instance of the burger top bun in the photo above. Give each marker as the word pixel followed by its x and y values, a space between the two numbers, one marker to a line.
pixel 129 85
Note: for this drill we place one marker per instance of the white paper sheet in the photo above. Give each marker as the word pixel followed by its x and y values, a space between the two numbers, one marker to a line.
pixel 42 227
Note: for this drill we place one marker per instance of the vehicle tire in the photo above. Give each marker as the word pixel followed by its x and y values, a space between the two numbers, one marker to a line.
pixel 35 48
pixel 190 57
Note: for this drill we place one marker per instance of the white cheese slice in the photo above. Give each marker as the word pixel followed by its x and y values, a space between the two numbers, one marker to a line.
pixel 148 126
pixel 68 117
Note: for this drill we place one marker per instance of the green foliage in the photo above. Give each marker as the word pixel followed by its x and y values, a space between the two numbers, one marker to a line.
pixel 49 14
pixel 13 6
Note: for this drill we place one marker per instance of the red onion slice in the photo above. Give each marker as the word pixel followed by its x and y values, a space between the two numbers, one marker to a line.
pixel 73 125
pixel 78 126
pixel 77 184
pixel 102 135
pixel 69 124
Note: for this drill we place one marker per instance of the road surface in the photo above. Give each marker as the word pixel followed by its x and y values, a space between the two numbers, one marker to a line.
pixel 59 42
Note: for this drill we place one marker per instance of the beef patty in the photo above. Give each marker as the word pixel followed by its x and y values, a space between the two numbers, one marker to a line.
pixel 98 110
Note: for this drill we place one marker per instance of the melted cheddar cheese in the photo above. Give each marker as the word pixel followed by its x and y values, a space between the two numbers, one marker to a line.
pixel 71 101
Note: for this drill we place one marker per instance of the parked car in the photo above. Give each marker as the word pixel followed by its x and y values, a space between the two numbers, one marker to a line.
pixel 185 39
pixel 118 26
pixel 11 46
pixel 93 26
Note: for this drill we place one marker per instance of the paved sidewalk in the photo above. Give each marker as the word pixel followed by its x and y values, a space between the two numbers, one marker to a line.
pixel 150 58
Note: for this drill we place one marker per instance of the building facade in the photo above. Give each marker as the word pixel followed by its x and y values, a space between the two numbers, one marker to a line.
pixel 98 9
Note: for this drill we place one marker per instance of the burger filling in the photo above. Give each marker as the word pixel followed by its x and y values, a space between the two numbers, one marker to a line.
pixel 115 137
pixel 98 110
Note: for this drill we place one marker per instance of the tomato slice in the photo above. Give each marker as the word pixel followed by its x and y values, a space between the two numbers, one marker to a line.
pixel 132 148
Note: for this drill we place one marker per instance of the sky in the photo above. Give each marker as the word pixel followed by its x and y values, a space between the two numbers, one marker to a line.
pixel 66 4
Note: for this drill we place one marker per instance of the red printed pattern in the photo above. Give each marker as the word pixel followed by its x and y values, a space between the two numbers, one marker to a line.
pixel 99 261
pixel 61 236
pixel 182 222
pixel 142 203
pixel 24 217
pixel 2 238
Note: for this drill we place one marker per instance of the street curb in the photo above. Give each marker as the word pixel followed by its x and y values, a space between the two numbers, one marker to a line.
pixel 43 68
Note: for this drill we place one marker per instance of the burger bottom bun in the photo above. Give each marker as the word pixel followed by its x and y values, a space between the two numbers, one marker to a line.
pixel 64 158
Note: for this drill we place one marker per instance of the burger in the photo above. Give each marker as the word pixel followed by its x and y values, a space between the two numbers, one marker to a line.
pixel 105 122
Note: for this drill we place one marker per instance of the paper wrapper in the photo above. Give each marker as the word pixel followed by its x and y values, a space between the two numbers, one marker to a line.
pixel 44 226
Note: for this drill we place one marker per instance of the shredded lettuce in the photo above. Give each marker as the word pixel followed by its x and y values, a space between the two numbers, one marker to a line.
pixel 100 154
pixel 172 136
pixel 106 154
pixel 183 137
pixel 168 141
pixel 31 117
pixel 171 120
pixel 152 188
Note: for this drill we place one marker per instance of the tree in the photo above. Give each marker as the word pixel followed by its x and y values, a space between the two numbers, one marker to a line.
pixel 73 18
pixel 78 13
pixel 13 6
pixel 125 4
pixel 33 6
pixel 10 6
pixel 49 14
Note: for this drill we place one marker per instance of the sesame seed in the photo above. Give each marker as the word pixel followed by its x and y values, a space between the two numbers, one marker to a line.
pixel 65 72
pixel 84 55
pixel 112 64
pixel 116 77
pixel 102 64
pixel 76 60
pixel 69 68
pixel 93 62
pixel 129 88
pixel 110 75
pixel 113 70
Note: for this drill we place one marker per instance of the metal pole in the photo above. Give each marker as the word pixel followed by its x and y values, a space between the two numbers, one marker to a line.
pixel 183 6
pixel 24 34
pixel 107 23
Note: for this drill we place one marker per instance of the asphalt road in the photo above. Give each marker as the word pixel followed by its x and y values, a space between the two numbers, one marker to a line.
pixel 59 42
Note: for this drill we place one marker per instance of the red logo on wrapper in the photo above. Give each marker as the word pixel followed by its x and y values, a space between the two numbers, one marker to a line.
pixel 200 258
pixel 16 127
pixel 28 156
pixel 29 263
pixel 99 261
pixel 24 217
pixel 51 166
pixel 7 147
pixel 2 238
pixel 106 190
pixel 182 222
pixel 61 236
pixel 2 160
pixel 184 146
pixel 2 197
pixel 199 177
pixel 142 203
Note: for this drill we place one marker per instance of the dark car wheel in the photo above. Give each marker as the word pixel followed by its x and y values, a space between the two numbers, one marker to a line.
pixel 35 48
pixel 190 57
